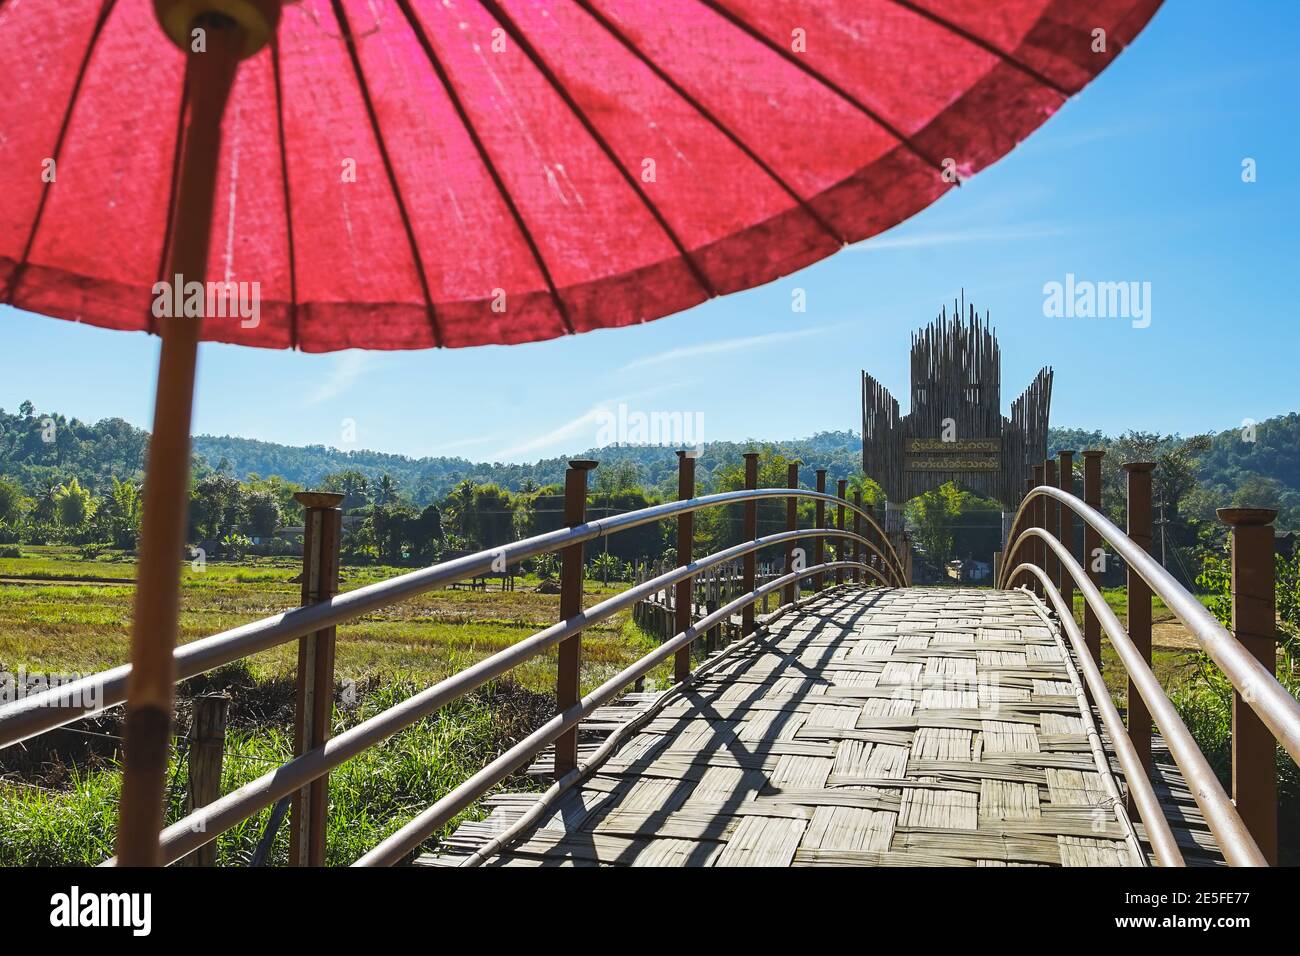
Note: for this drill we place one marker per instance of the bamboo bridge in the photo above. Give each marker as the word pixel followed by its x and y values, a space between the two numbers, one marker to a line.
pixel 861 721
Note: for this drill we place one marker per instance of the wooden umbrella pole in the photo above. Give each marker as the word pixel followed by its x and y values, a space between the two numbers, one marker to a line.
pixel 209 77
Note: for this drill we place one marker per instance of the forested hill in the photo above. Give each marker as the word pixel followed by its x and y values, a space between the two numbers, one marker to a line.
pixel 429 478
pixel 40 447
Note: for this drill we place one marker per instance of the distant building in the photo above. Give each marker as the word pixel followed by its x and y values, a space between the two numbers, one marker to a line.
pixel 294 532
pixel 954 430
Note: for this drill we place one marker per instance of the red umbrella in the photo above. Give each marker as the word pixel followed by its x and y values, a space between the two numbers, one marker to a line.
pixel 396 174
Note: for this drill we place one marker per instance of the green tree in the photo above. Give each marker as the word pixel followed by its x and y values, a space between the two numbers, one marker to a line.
pixel 618 476
pixel 216 507
pixel 11 501
pixel 932 516
pixel 872 493
pixel 385 490
pixel 352 485
pixel 119 515
pixel 47 494
pixel 263 510
pixel 73 505
pixel 718 528
pixel 459 509
pixel 282 490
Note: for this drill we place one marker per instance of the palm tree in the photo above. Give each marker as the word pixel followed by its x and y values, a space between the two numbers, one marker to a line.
pixel 460 502
pixel 47 500
pixel 385 491
pixel 124 502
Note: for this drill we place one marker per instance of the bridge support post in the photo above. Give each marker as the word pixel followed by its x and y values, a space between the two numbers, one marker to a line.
pixel 1066 478
pixel 791 522
pixel 819 543
pixel 207 744
pixel 314 704
pixel 751 533
pixel 1091 547
pixel 857 529
pixel 568 673
pixel 1139 606
pixel 1039 548
pixel 840 543
pixel 1026 552
pixel 872 557
pixel 1052 516
pixel 1254 624
pixel 685 541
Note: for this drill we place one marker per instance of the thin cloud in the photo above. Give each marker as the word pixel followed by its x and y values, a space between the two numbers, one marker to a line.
pixel 957 237
pixel 586 422
pixel 466 442
pixel 725 345
pixel 348 368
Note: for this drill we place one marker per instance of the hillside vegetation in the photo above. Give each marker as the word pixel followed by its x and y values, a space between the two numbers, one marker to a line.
pixel 1259 466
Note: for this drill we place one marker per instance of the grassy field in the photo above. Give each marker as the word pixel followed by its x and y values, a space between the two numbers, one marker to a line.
pixel 1173 649
pixel 56 615
pixel 63 613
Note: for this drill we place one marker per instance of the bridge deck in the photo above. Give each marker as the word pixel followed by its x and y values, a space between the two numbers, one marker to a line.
pixel 898 727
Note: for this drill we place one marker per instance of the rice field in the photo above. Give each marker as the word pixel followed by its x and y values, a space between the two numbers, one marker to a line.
pixel 65 613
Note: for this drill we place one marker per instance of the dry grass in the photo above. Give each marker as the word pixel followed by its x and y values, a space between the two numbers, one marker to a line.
pixel 68 626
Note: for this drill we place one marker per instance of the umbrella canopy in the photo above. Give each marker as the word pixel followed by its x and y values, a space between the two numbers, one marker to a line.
pixel 395 174
pixel 413 173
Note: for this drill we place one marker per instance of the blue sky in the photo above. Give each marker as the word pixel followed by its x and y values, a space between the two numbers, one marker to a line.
pixel 1137 179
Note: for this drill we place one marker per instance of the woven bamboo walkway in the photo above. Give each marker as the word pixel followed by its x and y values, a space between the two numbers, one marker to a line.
pixel 915 727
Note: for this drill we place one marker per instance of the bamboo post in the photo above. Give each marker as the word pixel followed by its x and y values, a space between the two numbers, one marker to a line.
pixel 819 543
pixel 1052 519
pixel 791 522
pixel 209 76
pixel 857 529
pixel 712 635
pixel 751 534
pixel 206 744
pixel 841 490
pixel 1139 606
pixel 685 544
pixel 1012 558
pixel 1254 624
pixel 1039 548
pixel 314 700
pixel 1091 545
pixel 1066 529
pixel 568 682
pixel 874 561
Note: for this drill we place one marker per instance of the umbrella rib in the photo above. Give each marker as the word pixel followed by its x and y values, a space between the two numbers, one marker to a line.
pixel 468 124
pixel 494 10
pixel 745 27
pixel 284 179
pixel 350 42
pixel 707 114
pixel 177 149
pixel 984 45
pixel 104 10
